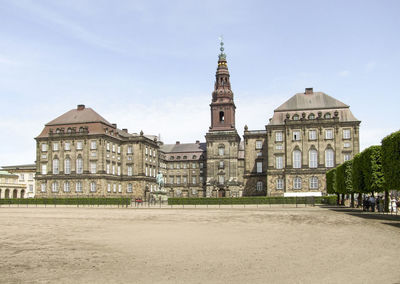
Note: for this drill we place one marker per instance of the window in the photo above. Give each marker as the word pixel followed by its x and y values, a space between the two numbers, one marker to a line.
pixel 66 186
pixel 347 157
pixel 193 165
pixel 259 167
pixel 313 183
pixel 279 147
pixel 129 158
pixel 119 149
pixel 259 186
pixel 93 145
pixel 31 188
pixel 129 170
pixel 44 147
pixel 150 152
pixel 201 180
pixel 113 169
pixel 108 146
pixel 44 169
pixel 78 187
pixel 21 177
pixel 79 166
pixel 259 154
pixel 67 146
pixel 94 154
pixel 154 153
pixel 55 146
pixel 147 150
pixel 30 177
pixel 312 135
pixel 279 162
pixel 279 136
pixel 178 166
pixel 129 149
pixel 296 117
pixel 313 159
pixel 311 116
pixel 108 187
pixel 92 187
pixel 296 135
pixel 108 168
pixel 129 188
pixel 194 180
pixel 54 187
pixel 221 179
pixel 146 171
pixel 296 159
pixel 346 145
pixel 56 165
pixel 43 187
pixel 327 115
pixel 329 134
pixel 119 170
pixel 171 180
pixel 221 151
pixel 184 180
pixel 346 134
pixel 297 183
pixel 258 144
pixel 114 187
pixel 178 180
pixel 93 169
pixel 67 166
pixel 329 158
pixel 221 165
pixel 221 117
pixel 279 184
pixel 79 145
pixel 201 165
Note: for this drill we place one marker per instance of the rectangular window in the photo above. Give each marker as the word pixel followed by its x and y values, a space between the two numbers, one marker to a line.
pixel 279 147
pixel 78 186
pixel 259 154
pixel 21 177
pixel 30 177
pixel 30 188
pixel 221 151
pixel 129 158
pixel 108 169
pixel 347 157
pixel 67 146
pixel 93 145
pixel 329 134
pixel 119 150
pixel 296 135
pixel 66 186
pixel 201 180
pixel 279 184
pixel 151 151
pixel 184 180
pixel 44 147
pixel 313 183
pixel 194 180
pixel 201 165
pixel 146 151
pixel 312 135
pixel 114 187
pixel 178 166
pixel 108 146
pixel 44 169
pixel 43 187
pixel 56 167
pixel 108 187
pixel 129 149
pixel 93 154
pixel 296 159
pixel 55 146
pixel 79 166
pixel 313 159
pixel 113 148
pixel 93 169
pixel 178 180
pixel 113 169
pixel 297 183
pixel 171 180
pixel 129 170
pixel 346 134
pixel 329 156
pixel 259 167
pixel 79 145
pixel 221 179
pixel 119 170
pixel 92 187
pixel 279 162
pixel 146 171
pixel 129 188
pixel 346 145
pixel 258 144
pixel 193 165
pixel 279 136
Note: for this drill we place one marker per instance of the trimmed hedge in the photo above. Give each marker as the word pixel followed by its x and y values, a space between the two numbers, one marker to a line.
pixel 344 178
pixel 357 174
pixel 391 160
pixel 330 200
pixel 331 181
pixel 372 169
pixel 68 201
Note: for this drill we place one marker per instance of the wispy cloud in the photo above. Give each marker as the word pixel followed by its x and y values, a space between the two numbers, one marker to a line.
pixel 344 73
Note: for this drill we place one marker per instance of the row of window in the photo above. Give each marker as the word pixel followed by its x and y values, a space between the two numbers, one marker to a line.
pixel 194 157
pixel 312 159
pixel 93 146
pixel 312 135
pixel 312 116
pixel 184 165
pixel 22 177
pixel 78 187
pixel 313 183
pixel 150 152
pixel 177 180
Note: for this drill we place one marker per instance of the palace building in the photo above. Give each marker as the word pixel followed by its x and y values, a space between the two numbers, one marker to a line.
pixel 81 153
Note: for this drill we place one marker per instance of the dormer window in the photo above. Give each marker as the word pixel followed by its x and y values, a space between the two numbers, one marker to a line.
pixel 311 116
pixel 328 115
pixel 296 117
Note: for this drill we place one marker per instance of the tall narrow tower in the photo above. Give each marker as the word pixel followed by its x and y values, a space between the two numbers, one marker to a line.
pixel 223 178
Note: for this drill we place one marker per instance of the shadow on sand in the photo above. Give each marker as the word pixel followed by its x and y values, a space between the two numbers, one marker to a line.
pixel 386 219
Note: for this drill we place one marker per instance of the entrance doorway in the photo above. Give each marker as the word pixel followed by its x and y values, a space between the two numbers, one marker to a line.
pixel 221 193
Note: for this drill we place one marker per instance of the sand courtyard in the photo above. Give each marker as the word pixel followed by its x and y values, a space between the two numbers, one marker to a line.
pixel 227 245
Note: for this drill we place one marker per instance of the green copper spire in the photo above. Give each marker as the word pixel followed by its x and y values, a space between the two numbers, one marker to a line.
pixel 222 55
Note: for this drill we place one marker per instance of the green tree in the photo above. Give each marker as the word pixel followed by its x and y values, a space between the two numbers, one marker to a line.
pixel 331 184
pixel 391 160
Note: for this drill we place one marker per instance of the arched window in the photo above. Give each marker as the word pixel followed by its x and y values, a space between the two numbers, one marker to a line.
pixel 221 116
pixel 329 158
pixel 313 183
pixel 296 117
pixel 221 150
pixel 56 168
pixel 69 130
pixel 311 116
pixel 297 159
pixel 297 183
pixel 313 158
pixel 67 166
pixel 260 186
pixel 194 157
pixel 327 115
pixel 79 166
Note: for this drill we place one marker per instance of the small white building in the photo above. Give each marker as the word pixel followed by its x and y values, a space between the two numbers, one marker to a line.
pixel 26 177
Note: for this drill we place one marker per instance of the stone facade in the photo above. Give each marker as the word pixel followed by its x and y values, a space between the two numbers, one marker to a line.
pixel 10 187
pixel 82 154
pixel 26 175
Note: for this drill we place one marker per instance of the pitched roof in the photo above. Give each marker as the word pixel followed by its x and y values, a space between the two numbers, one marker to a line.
pixel 315 100
pixel 184 147
pixel 83 115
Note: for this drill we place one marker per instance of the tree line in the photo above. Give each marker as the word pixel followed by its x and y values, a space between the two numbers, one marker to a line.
pixel 376 169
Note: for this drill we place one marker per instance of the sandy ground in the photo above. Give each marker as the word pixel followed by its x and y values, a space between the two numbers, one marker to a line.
pixel 246 245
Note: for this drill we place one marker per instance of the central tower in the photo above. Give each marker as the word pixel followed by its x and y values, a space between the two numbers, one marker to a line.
pixel 223 141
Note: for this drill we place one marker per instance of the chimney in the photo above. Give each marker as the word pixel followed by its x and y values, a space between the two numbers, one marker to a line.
pixel 197 142
pixel 114 125
pixel 309 91
pixel 125 130
pixel 80 107
pixel 177 143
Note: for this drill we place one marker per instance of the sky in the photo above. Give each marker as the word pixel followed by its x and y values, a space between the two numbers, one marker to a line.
pixel 150 65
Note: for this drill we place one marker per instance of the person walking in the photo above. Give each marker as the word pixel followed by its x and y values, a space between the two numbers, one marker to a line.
pixel 372 203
